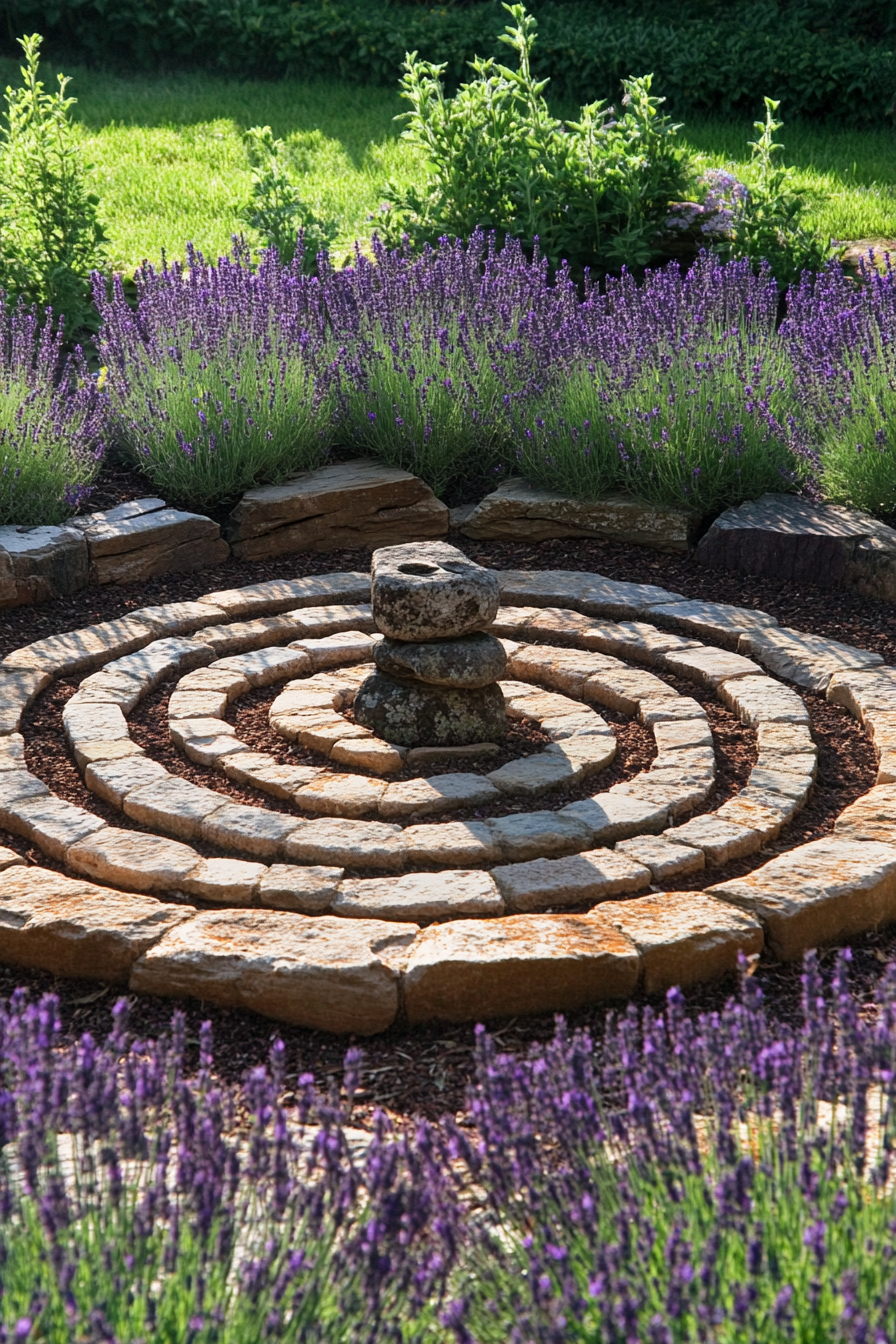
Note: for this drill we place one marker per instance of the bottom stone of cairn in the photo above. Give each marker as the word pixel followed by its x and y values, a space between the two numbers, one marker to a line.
pixel 413 714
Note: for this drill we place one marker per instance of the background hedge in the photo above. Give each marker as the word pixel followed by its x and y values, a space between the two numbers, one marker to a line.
pixel 821 59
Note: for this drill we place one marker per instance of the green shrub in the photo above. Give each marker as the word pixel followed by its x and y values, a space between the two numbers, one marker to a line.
pixel 276 211
pixel 50 235
pixel 822 59
pixel 594 192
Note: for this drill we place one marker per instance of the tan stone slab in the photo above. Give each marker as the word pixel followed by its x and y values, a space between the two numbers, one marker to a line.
pixel 419 897
pixel 591 593
pixel 197 704
pixel 681 734
pixel 789 762
pixel 757 700
pixel 173 805
pixel 279 595
pixel 263 772
pixel 205 679
pixel 341 795
pixel 669 709
pixel 440 793
pixel 15 787
pixel 12 752
pixel 305 888
pixel 79 650
pixel 613 816
pixel 719 840
pixel 332 619
pixel 179 618
pixel 565 670
pixel 805 660
pixel 182 730
pixel 133 860
pixel 585 722
pixel 539 705
pixel 631 640
pixel 95 753
pixel 667 790
pixel 785 737
pixel 472 970
pixel 515 690
pixel 10 859
pixel 749 814
pixel 244 636
pixel 663 859
pixel 161 660
pixel 521 511
pixel 93 723
pixel 532 835
pixel 304 697
pixel 689 761
pixel 797 787
pixel 346 843
pixel 709 667
pixel 224 881
pixel 264 666
pixel 213 751
pixel 785 807
pixel 50 823
pixel 556 625
pixel 70 928
pixel 866 694
pixel 881 728
pixel 324 974
pixel 249 830
pixel 819 893
pixel 18 687
pixel 871 817
pixel 683 938
pixel 367 754
pixel 716 622
pixel 348 646
pixel 532 775
pixel 324 735
pixel 452 844
pixel 543 884
pixel 886 767
pixel 117 688
pixel 625 688
pixel 513 620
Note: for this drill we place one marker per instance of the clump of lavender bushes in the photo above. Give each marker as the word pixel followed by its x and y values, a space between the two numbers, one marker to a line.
pixel 720 1177
pixel 52 420
pixel 221 378
pixel 676 390
pixel 470 360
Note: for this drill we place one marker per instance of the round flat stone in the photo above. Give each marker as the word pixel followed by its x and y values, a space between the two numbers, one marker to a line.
pixel 430 590
pixel 412 715
pixel 468 663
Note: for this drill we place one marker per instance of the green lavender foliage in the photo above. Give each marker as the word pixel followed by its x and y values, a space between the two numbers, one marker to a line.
pixel 51 237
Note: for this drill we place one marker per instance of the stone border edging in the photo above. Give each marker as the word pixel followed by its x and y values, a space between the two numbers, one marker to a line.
pixel 354 975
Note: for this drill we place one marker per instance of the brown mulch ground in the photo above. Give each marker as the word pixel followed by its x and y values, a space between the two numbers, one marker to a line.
pixel 426 1071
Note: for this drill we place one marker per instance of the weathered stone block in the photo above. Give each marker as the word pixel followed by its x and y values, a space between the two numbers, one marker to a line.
pixel 43 563
pixel 160 541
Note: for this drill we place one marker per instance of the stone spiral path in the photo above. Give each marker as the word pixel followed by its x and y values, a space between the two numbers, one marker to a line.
pixel 464 919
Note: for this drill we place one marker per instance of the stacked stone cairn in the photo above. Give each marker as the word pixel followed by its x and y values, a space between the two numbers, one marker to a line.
pixel 437 671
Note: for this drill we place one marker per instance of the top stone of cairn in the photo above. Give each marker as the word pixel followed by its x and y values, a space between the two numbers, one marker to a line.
pixel 430 590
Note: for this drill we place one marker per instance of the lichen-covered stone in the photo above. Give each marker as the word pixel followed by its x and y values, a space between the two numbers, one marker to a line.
pixel 430 590
pixel 470 662
pixel 412 715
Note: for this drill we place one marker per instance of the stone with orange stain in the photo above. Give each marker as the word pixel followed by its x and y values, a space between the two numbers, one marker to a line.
pixel 472 969
pixel 871 817
pixel 819 893
pixel 683 937
pixel 326 974
pixel 68 927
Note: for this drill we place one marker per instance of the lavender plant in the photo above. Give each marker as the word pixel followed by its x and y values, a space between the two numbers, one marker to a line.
pixel 223 378
pixel 52 420
pixel 841 341
pixel 676 390
pixel 444 350
pixel 726 1178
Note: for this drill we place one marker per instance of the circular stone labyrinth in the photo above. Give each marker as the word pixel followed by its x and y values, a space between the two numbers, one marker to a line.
pixel 370 883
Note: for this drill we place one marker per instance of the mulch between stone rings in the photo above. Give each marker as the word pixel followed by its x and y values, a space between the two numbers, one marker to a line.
pixel 426 1071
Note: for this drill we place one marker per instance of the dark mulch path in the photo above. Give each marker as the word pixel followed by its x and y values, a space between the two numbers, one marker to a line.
pixel 426 1071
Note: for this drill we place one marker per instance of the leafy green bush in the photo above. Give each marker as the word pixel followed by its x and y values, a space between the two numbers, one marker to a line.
pixel 50 235
pixel 822 59
pixel 277 212
pixel 595 191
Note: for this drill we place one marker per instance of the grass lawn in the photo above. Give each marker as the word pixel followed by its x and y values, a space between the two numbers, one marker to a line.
pixel 170 165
